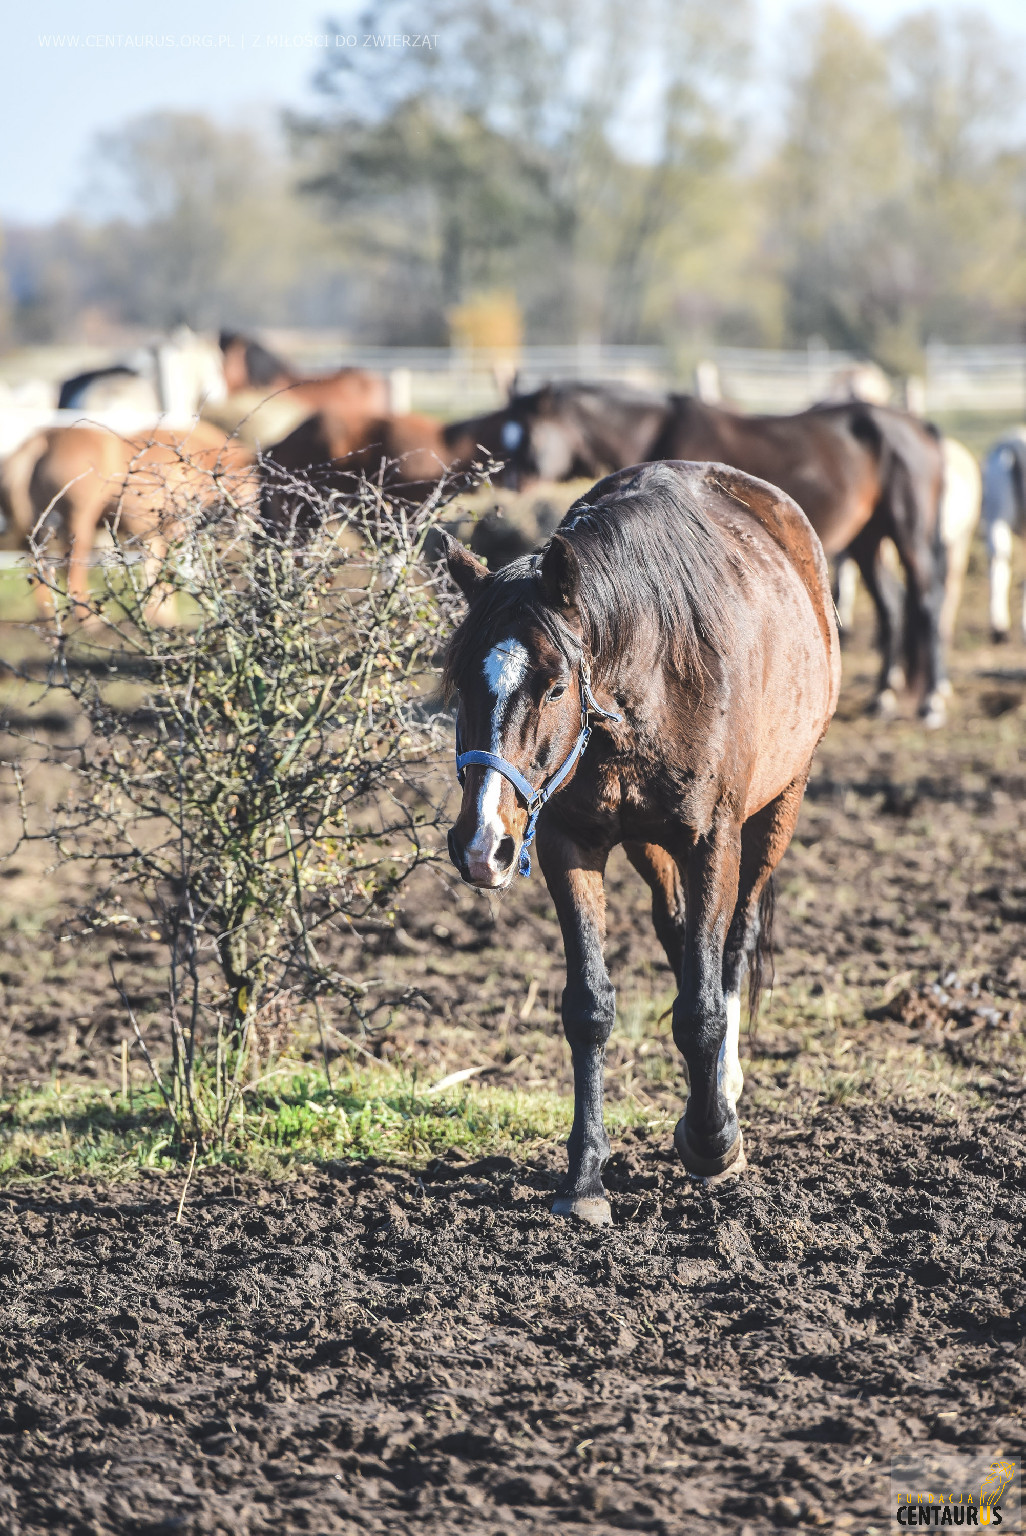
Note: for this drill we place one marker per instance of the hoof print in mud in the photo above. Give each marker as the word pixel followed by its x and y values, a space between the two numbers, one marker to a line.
pixel 592 1209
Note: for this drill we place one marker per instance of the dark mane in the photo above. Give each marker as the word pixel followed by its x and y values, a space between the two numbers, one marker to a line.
pixel 649 558
pixel 263 366
pixel 605 392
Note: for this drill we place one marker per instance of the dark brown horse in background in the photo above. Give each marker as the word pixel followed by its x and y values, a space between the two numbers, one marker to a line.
pixel 682 612
pixel 861 473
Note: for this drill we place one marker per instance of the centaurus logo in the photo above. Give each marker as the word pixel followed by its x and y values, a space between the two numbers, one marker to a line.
pixel 992 1489
pixel 954 1488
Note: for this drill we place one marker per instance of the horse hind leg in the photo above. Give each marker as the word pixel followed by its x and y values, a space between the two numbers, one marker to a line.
pixel 160 606
pixel 763 841
pixel 708 1138
pixel 661 873
pixel 886 594
pixel 845 590
pixel 999 543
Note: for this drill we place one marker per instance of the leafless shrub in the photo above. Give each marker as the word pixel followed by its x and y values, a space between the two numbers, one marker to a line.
pixel 255 778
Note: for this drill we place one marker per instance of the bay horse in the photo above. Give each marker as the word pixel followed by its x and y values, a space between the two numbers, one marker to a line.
pixel 408 455
pixel 578 430
pixel 860 472
pixel 680 621
pixel 352 395
pixel 74 479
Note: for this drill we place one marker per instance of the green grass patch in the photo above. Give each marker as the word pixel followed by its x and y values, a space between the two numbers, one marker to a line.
pixel 373 1110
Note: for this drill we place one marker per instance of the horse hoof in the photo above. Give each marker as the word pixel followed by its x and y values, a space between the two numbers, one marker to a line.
pixel 885 705
pixel 594 1209
pixel 711 1170
pixel 933 711
pixel 1000 636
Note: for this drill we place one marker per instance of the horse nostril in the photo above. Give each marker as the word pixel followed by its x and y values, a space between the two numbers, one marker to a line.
pixel 504 853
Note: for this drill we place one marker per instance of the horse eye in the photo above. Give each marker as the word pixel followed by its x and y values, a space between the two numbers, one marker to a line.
pixel 555 692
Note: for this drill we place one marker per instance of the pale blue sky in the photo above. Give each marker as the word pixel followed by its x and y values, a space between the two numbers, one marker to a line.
pixel 217 57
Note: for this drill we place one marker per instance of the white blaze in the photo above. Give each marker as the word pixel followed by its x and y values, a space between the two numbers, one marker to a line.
pixel 505 668
pixel 731 1078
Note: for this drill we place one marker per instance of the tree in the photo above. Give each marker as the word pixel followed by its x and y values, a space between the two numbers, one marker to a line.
pixel 894 214
pixel 548 145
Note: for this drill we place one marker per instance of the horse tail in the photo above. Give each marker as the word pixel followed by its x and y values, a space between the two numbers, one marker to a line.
pixel 16 485
pixel 911 468
pixel 760 969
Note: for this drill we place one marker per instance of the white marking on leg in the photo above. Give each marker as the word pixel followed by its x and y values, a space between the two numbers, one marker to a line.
pixel 847 590
pixel 728 1068
pixel 999 537
pixel 505 668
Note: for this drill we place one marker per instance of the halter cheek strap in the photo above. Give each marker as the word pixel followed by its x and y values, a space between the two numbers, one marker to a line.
pixel 533 798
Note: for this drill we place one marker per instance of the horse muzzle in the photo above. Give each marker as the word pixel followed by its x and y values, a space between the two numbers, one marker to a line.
pixel 487 865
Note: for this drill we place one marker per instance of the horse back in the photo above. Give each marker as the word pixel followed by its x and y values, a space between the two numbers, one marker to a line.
pixel 814 456
pixel 783 522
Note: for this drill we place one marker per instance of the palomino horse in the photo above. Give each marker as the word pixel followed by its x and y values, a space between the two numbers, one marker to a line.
pixel 1004 513
pixel 681 620
pixel 861 473
pixel 351 395
pixel 66 482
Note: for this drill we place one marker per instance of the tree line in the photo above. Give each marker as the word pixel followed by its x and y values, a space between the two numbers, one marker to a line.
pixel 615 170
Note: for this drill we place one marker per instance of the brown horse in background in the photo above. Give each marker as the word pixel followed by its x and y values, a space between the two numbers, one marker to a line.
pixel 407 455
pixel 352 395
pixel 861 473
pixel 66 482
pixel 680 619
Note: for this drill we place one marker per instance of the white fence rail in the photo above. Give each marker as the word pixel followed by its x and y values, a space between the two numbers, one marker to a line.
pixel 443 381
pixel 450 383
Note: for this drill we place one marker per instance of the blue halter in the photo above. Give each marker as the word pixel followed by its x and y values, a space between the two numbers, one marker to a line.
pixel 533 798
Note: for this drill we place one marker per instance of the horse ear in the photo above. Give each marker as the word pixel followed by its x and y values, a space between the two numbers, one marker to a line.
pixel 560 575
pixel 465 569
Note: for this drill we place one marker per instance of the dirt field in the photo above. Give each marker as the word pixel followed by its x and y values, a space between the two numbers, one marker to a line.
pixel 363 1348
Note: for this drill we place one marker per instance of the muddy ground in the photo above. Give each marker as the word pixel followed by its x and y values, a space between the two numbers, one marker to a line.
pixel 360 1348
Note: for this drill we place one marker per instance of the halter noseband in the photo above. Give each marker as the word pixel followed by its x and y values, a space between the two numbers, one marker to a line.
pixel 533 798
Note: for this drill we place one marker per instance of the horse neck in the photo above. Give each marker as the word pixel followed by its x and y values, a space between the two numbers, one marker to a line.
pixel 692 429
pixel 626 439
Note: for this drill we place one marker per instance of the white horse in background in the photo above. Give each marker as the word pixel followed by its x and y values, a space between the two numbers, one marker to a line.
pixel 1004 506
pixel 960 514
pixel 175 376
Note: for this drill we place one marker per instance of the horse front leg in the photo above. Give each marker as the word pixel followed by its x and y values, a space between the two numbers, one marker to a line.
pixel 574 878
pixel 708 1138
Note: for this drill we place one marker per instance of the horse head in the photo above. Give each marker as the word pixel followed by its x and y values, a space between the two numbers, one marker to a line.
pixel 517 668
pixel 544 438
